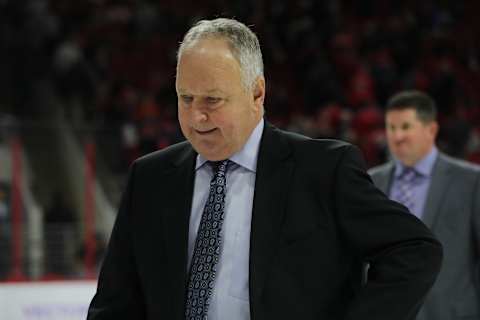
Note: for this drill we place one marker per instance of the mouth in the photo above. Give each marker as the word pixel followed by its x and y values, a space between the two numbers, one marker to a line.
pixel 205 132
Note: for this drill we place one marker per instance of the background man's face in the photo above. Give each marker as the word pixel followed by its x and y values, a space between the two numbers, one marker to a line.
pixel 216 113
pixel 409 139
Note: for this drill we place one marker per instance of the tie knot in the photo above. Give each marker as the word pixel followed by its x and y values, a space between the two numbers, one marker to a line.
pixel 220 167
pixel 409 174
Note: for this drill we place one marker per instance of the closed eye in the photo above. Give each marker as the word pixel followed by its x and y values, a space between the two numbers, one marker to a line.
pixel 213 103
pixel 212 100
pixel 186 98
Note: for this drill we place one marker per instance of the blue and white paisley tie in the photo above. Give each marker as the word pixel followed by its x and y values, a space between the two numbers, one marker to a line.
pixel 207 247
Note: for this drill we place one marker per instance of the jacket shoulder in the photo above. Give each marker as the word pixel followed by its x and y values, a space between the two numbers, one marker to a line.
pixel 165 158
pixel 324 154
pixel 301 141
pixel 460 165
pixel 380 169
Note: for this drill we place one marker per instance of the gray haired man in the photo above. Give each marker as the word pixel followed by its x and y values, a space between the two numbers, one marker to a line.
pixel 244 221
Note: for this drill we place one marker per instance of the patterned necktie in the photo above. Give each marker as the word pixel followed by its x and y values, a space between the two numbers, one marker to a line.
pixel 405 184
pixel 207 247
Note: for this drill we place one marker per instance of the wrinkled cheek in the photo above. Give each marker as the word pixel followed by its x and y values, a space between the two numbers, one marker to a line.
pixel 230 137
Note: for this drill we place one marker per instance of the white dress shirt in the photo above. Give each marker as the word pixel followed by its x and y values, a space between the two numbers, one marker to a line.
pixel 230 296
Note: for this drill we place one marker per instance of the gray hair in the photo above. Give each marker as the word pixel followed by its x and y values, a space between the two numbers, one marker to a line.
pixel 242 42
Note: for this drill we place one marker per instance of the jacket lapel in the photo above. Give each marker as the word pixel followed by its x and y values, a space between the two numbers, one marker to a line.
pixel 176 225
pixel 438 186
pixel 274 171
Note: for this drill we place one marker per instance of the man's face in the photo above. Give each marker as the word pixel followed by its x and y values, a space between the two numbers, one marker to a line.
pixel 409 139
pixel 216 113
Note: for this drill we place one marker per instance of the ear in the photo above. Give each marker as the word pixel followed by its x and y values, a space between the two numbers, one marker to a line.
pixel 259 92
pixel 433 129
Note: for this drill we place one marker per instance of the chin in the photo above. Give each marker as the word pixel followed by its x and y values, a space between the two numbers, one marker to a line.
pixel 402 159
pixel 213 157
pixel 408 162
pixel 208 153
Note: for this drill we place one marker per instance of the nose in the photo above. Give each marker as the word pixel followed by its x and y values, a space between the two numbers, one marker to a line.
pixel 398 135
pixel 199 115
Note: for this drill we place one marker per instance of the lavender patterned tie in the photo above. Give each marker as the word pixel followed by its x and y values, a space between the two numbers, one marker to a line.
pixel 207 247
pixel 405 183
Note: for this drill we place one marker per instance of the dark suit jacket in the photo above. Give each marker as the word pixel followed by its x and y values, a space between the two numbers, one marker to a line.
pixel 316 219
pixel 452 211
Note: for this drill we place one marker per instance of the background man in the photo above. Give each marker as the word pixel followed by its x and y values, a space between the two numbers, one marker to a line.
pixel 444 193
pixel 245 221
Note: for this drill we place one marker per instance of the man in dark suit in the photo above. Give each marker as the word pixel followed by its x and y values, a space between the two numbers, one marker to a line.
pixel 245 221
pixel 444 193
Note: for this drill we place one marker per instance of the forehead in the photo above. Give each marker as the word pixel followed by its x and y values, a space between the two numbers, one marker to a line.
pixel 402 115
pixel 207 64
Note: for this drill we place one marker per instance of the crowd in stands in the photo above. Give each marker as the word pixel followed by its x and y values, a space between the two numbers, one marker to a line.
pixel 330 65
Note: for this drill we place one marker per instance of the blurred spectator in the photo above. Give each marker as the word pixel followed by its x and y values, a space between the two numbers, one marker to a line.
pixel 5 231
pixel 473 146
pixel 332 65
pixel 59 223
pixel 356 55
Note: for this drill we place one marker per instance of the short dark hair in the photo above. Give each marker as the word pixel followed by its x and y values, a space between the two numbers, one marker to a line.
pixel 421 102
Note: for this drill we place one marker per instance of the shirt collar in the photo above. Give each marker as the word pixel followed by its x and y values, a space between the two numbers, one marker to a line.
pixel 248 155
pixel 424 167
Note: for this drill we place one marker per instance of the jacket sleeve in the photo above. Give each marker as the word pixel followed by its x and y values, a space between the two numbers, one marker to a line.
pixel 119 295
pixel 404 257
